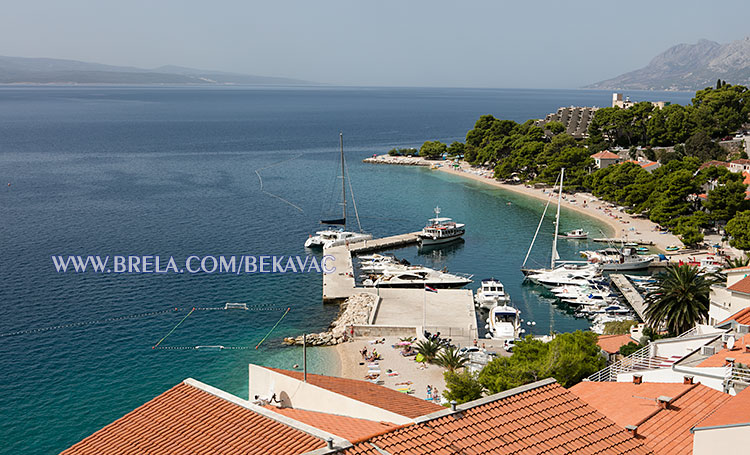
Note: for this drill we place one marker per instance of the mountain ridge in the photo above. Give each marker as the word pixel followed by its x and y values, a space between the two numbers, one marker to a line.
pixel 30 70
pixel 688 67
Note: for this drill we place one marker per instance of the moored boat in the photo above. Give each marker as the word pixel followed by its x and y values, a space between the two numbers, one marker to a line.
pixel 441 230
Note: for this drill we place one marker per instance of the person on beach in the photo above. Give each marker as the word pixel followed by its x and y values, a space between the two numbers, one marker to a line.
pixel 429 392
pixel 364 353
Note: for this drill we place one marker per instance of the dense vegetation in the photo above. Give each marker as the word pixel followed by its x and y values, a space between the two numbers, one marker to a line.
pixel 669 195
pixel 569 358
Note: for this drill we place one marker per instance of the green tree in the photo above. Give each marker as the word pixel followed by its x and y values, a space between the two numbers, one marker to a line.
pixel 702 147
pixel 680 301
pixel 629 348
pixel 724 201
pixel 555 127
pixel 733 263
pixel 432 150
pixel 450 359
pixel 462 387
pixel 429 349
pixel 456 149
pixel 569 358
pixel 618 327
pixel 739 230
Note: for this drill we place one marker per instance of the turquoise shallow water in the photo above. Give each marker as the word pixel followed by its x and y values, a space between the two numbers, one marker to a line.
pixel 171 171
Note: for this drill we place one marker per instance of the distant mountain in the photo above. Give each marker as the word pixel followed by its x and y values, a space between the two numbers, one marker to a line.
pixel 20 70
pixel 688 67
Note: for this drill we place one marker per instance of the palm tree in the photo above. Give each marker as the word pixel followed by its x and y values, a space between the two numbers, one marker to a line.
pixel 681 300
pixel 450 359
pixel 429 349
pixel 733 263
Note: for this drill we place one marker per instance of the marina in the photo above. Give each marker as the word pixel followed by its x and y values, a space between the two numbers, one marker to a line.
pixel 630 293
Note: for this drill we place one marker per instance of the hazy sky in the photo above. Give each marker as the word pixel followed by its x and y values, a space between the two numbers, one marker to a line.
pixel 535 44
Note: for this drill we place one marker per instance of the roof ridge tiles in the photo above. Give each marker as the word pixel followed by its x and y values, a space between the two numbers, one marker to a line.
pixel 486 400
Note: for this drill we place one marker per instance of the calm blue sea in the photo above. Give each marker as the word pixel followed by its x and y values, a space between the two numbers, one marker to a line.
pixel 171 172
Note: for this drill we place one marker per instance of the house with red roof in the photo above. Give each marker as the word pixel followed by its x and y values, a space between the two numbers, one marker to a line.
pixel 605 158
pixel 726 429
pixel 731 296
pixel 740 165
pixel 611 344
pixel 327 415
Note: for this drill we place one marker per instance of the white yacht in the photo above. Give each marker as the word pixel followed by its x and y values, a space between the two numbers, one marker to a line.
pixel 575 234
pixel 490 294
pixel 332 236
pixel 399 276
pixel 504 323
pixel 335 237
pixel 441 230
pixel 614 259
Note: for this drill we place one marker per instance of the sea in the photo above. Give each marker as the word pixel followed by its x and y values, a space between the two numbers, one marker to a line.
pixel 223 171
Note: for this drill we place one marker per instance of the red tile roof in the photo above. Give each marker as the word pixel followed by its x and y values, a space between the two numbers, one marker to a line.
pixel 349 428
pixel 624 402
pixel 743 161
pixel 666 431
pixel 539 418
pixel 734 411
pixel 713 163
pixel 613 343
pixel 742 286
pixel 367 392
pixel 741 317
pixel 737 352
pixel 186 419
pixel 605 154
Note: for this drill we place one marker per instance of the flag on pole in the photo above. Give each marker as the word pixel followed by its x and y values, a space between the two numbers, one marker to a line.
pixel 429 289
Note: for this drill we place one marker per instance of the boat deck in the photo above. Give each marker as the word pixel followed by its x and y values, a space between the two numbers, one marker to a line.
pixel 631 294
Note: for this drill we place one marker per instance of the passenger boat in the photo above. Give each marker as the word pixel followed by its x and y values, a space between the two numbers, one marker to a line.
pixel 335 237
pixel 441 230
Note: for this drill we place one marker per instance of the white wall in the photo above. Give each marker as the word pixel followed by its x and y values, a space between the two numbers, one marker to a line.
pixel 706 376
pixel 301 395
pixel 721 440
pixel 679 346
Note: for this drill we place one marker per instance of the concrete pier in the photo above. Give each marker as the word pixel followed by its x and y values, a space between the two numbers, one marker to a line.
pixel 631 294
pixel 385 243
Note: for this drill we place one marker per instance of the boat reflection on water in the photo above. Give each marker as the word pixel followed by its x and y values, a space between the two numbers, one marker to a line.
pixel 441 252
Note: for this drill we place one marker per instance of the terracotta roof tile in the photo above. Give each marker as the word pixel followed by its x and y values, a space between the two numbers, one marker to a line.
pixel 624 402
pixel 349 428
pixel 741 161
pixel 732 412
pixel 542 419
pixel 713 163
pixel 605 154
pixel 367 392
pixel 738 352
pixel 186 419
pixel 668 431
pixel 613 343
pixel 741 317
pixel 742 286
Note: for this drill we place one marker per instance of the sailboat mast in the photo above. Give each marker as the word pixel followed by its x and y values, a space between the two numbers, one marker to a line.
pixel 343 179
pixel 557 219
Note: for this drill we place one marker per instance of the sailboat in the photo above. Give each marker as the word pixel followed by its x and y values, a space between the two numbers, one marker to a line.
pixel 555 274
pixel 333 236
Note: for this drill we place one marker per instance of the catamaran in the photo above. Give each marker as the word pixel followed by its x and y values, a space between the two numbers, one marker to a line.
pixel 334 237
pixel 441 230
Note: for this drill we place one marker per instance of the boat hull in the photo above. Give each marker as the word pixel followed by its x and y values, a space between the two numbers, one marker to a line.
pixel 425 240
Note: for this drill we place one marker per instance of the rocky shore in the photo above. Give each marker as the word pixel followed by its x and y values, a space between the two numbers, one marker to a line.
pixel 355 310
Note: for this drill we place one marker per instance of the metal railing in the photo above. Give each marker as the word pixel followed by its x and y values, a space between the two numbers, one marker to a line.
pixel 738 374
pixel 639 360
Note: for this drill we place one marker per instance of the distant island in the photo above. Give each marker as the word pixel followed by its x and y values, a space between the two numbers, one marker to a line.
pixel 20 70
pixel 688 67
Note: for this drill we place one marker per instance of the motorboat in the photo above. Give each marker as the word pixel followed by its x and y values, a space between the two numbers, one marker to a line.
pixel 575 234
pixel 377 263
pixel 416 277
pixel 503 323
pixel 441 230
pixel 334 237
pixel 614 259
pixel 490 294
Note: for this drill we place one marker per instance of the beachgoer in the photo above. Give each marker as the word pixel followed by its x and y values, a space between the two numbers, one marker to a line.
pixel 429 391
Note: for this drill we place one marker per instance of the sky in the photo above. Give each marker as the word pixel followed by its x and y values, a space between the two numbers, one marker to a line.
pixel 471 43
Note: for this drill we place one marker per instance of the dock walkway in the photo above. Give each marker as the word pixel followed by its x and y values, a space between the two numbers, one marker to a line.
pixel 631 294
pixel 385 243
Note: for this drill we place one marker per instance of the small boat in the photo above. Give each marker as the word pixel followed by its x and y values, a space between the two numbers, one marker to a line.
pixel 575 234
pixel 614 259
pixel 441 230
pixel 504 323
pixel 490 294
pixel 672 248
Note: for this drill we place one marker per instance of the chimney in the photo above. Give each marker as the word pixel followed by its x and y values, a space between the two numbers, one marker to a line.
pixel 747 348
pixel 664 402
pixel 632 430
pixel 687 380
pixel 453 405
pixel 729 361
pixel 637 379
pixel 330 443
